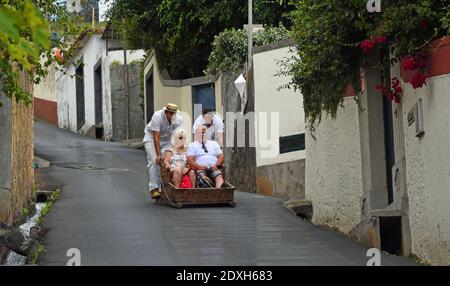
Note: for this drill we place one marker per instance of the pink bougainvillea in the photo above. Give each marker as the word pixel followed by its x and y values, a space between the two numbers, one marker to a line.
pixel 367 45
pixel 418 80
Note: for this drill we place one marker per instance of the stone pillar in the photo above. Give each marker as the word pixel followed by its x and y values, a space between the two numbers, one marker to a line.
pixel 240 160
pixel 119 102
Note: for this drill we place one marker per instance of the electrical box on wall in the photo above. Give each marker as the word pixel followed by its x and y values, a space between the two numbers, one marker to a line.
pixel 416 116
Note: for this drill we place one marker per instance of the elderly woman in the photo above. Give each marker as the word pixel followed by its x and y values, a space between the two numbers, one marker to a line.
pixel 175 157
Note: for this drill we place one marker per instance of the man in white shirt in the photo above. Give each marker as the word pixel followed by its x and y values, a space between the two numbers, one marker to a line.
pixel 158 133
pixel 213 123
pixel 206 158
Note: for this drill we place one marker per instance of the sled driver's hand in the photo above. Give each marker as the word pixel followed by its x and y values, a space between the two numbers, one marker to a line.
pixel 201 168
pixel 158 160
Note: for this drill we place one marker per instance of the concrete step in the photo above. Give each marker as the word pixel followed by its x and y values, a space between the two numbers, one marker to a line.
pixel 134 143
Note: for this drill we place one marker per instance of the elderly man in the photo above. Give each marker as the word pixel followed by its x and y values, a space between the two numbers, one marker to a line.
pixel 158 135
pixel 213 123
pixel 206 158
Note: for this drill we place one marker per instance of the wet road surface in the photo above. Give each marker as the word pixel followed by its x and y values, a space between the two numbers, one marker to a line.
pixel 105 212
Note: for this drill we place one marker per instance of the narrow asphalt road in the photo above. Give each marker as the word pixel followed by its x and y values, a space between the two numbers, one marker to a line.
pixel 106 213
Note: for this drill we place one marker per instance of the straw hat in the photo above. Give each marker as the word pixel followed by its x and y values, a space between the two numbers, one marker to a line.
pixel 171 107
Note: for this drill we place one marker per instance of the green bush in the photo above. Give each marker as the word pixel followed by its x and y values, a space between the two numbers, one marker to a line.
pixel 230 48
pixel 181 31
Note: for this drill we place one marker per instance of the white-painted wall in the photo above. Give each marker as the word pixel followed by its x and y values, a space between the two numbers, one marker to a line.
pixel 92 53
pixel 333 177
pixel 46 89
pixel 428 171
pixel 269 98
pixel 66 99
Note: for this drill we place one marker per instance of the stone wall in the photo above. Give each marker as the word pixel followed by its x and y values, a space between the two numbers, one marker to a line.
pixel 285 180
pixel 119 102
pixel 16 158
pixel 5 158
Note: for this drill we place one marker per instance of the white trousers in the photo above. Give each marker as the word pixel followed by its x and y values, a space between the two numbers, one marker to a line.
pixel 153 168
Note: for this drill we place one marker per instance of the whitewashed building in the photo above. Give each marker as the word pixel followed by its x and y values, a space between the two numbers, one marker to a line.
pixel 91 93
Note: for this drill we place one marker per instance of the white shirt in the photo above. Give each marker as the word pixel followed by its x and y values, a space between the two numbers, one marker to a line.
pixel 211 132
pixel 201 157
pixel 160 123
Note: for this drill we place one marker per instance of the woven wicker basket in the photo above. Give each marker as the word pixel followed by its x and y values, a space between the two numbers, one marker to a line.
pixel 176 197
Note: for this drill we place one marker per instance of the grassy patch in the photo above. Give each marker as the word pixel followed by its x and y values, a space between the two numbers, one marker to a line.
pixel 49 204
pixel 46 208
pixel 35 255
pixel 417 260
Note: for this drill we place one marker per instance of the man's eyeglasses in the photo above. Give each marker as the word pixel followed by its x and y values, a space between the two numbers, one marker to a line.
pixel 204 148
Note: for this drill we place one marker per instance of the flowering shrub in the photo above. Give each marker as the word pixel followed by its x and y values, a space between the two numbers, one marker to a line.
pixel 335 39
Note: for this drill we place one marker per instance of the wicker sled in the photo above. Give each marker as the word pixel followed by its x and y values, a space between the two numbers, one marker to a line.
pixel 176 197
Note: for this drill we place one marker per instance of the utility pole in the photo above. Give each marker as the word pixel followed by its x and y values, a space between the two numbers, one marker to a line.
pixel 127 91
pixel 93 17
pixel 250 34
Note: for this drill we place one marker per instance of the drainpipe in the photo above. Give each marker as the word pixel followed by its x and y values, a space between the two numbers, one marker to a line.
pixel 250 34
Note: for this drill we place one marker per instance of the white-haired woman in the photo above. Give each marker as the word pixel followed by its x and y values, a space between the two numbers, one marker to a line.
pixel 175 157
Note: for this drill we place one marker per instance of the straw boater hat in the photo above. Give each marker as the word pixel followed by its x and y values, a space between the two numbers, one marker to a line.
pixel 171 107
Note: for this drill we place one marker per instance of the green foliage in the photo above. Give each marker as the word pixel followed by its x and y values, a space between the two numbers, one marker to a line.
pixel 49 204
pixel 230 48
pixel 34 257
pixel 25 41
pixel 23 34
pixel 25 212
pixel 115 63
pixel 181 31
pixel 328 36
pixel 45 210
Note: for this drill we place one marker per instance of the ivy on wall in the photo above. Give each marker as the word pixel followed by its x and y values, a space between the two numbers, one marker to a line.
pixel 28 32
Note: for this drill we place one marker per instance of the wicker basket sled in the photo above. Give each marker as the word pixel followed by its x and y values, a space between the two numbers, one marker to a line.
pixel 177 197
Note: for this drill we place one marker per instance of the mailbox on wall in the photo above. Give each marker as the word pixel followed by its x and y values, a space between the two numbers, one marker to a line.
pixel 416 116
